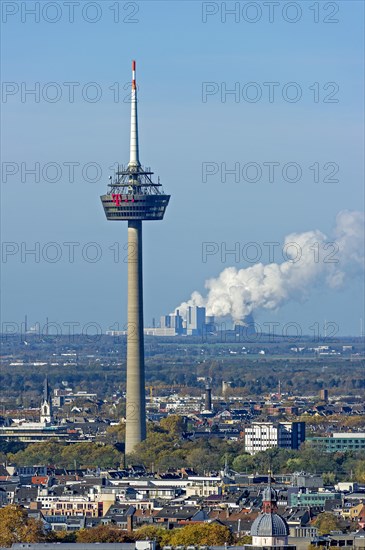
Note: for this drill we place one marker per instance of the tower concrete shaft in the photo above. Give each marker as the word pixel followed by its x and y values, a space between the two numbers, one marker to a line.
pixel 135 407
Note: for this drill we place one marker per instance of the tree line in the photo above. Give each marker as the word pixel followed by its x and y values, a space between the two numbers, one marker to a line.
pixel 166 448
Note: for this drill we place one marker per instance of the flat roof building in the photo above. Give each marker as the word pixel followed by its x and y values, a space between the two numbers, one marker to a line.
pixel 260 436
pixel 340 442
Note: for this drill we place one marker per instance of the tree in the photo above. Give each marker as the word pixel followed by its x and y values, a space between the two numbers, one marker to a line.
pixel 204 534
pixel 174 460
pixel 327 522
pixel 48 452
pixel 242 463
pixel 151 532
pixel 61 536
pixel 200 461
pixel 102 533
pixel 353 421
pixel 173 424
pixel 15 526
pixel 114 434
pixel 245 539
pixel 157 445
pixel 84 454
pixel 293 465
pixel 360 471
pixel 329 478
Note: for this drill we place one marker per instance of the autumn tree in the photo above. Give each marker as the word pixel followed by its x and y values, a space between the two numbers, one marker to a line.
pixel 85 454
pixel 102 533
pixel 152 532
pixel 173 424
pixel 244 539
pixel 114 434
pixel 61 536
pixel 329 478
pixel 90 455
pixel 174 460
pixel 242 462
pixel 48 452
pixel 157 445
pixel 360 471
pixel 327 522
pixel 2 457
pixel 204 534
pixel 15 526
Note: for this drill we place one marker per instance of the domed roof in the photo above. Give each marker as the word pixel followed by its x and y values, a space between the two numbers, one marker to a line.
pixel 269 495
pixel 269 525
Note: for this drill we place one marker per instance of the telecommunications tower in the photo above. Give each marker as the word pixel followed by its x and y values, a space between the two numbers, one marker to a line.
pixel 134 197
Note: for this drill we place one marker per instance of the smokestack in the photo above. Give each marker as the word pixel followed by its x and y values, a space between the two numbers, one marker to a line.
pixel 130 514
pixel 208 395
pixel 225 387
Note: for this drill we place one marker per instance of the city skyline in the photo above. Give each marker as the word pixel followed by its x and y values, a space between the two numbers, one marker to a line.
pixel 203 389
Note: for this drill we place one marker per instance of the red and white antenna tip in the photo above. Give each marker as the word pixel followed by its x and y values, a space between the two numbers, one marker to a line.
pixel 133 75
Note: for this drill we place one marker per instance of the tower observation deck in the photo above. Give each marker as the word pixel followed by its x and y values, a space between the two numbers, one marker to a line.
pixel 133 196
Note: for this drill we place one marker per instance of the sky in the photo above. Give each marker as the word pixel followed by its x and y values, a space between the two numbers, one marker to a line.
pixel 221 85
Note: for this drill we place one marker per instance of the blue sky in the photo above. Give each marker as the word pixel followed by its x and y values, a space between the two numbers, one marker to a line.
pixel 176 54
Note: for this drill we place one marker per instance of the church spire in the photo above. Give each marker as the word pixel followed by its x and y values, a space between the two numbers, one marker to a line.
pixel 46 405
pixel 46 389
pixel 269 498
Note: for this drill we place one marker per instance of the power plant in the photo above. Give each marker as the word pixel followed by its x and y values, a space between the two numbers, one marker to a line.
pixel 132 196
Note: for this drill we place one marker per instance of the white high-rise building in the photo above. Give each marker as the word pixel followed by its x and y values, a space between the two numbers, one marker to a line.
pixel 260 436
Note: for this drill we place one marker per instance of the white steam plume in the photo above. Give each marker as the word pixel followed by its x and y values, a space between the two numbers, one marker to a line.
pixel 312 260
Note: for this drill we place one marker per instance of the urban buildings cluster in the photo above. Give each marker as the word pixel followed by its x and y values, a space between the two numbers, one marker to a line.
pixel 207 414
pixel 68 500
